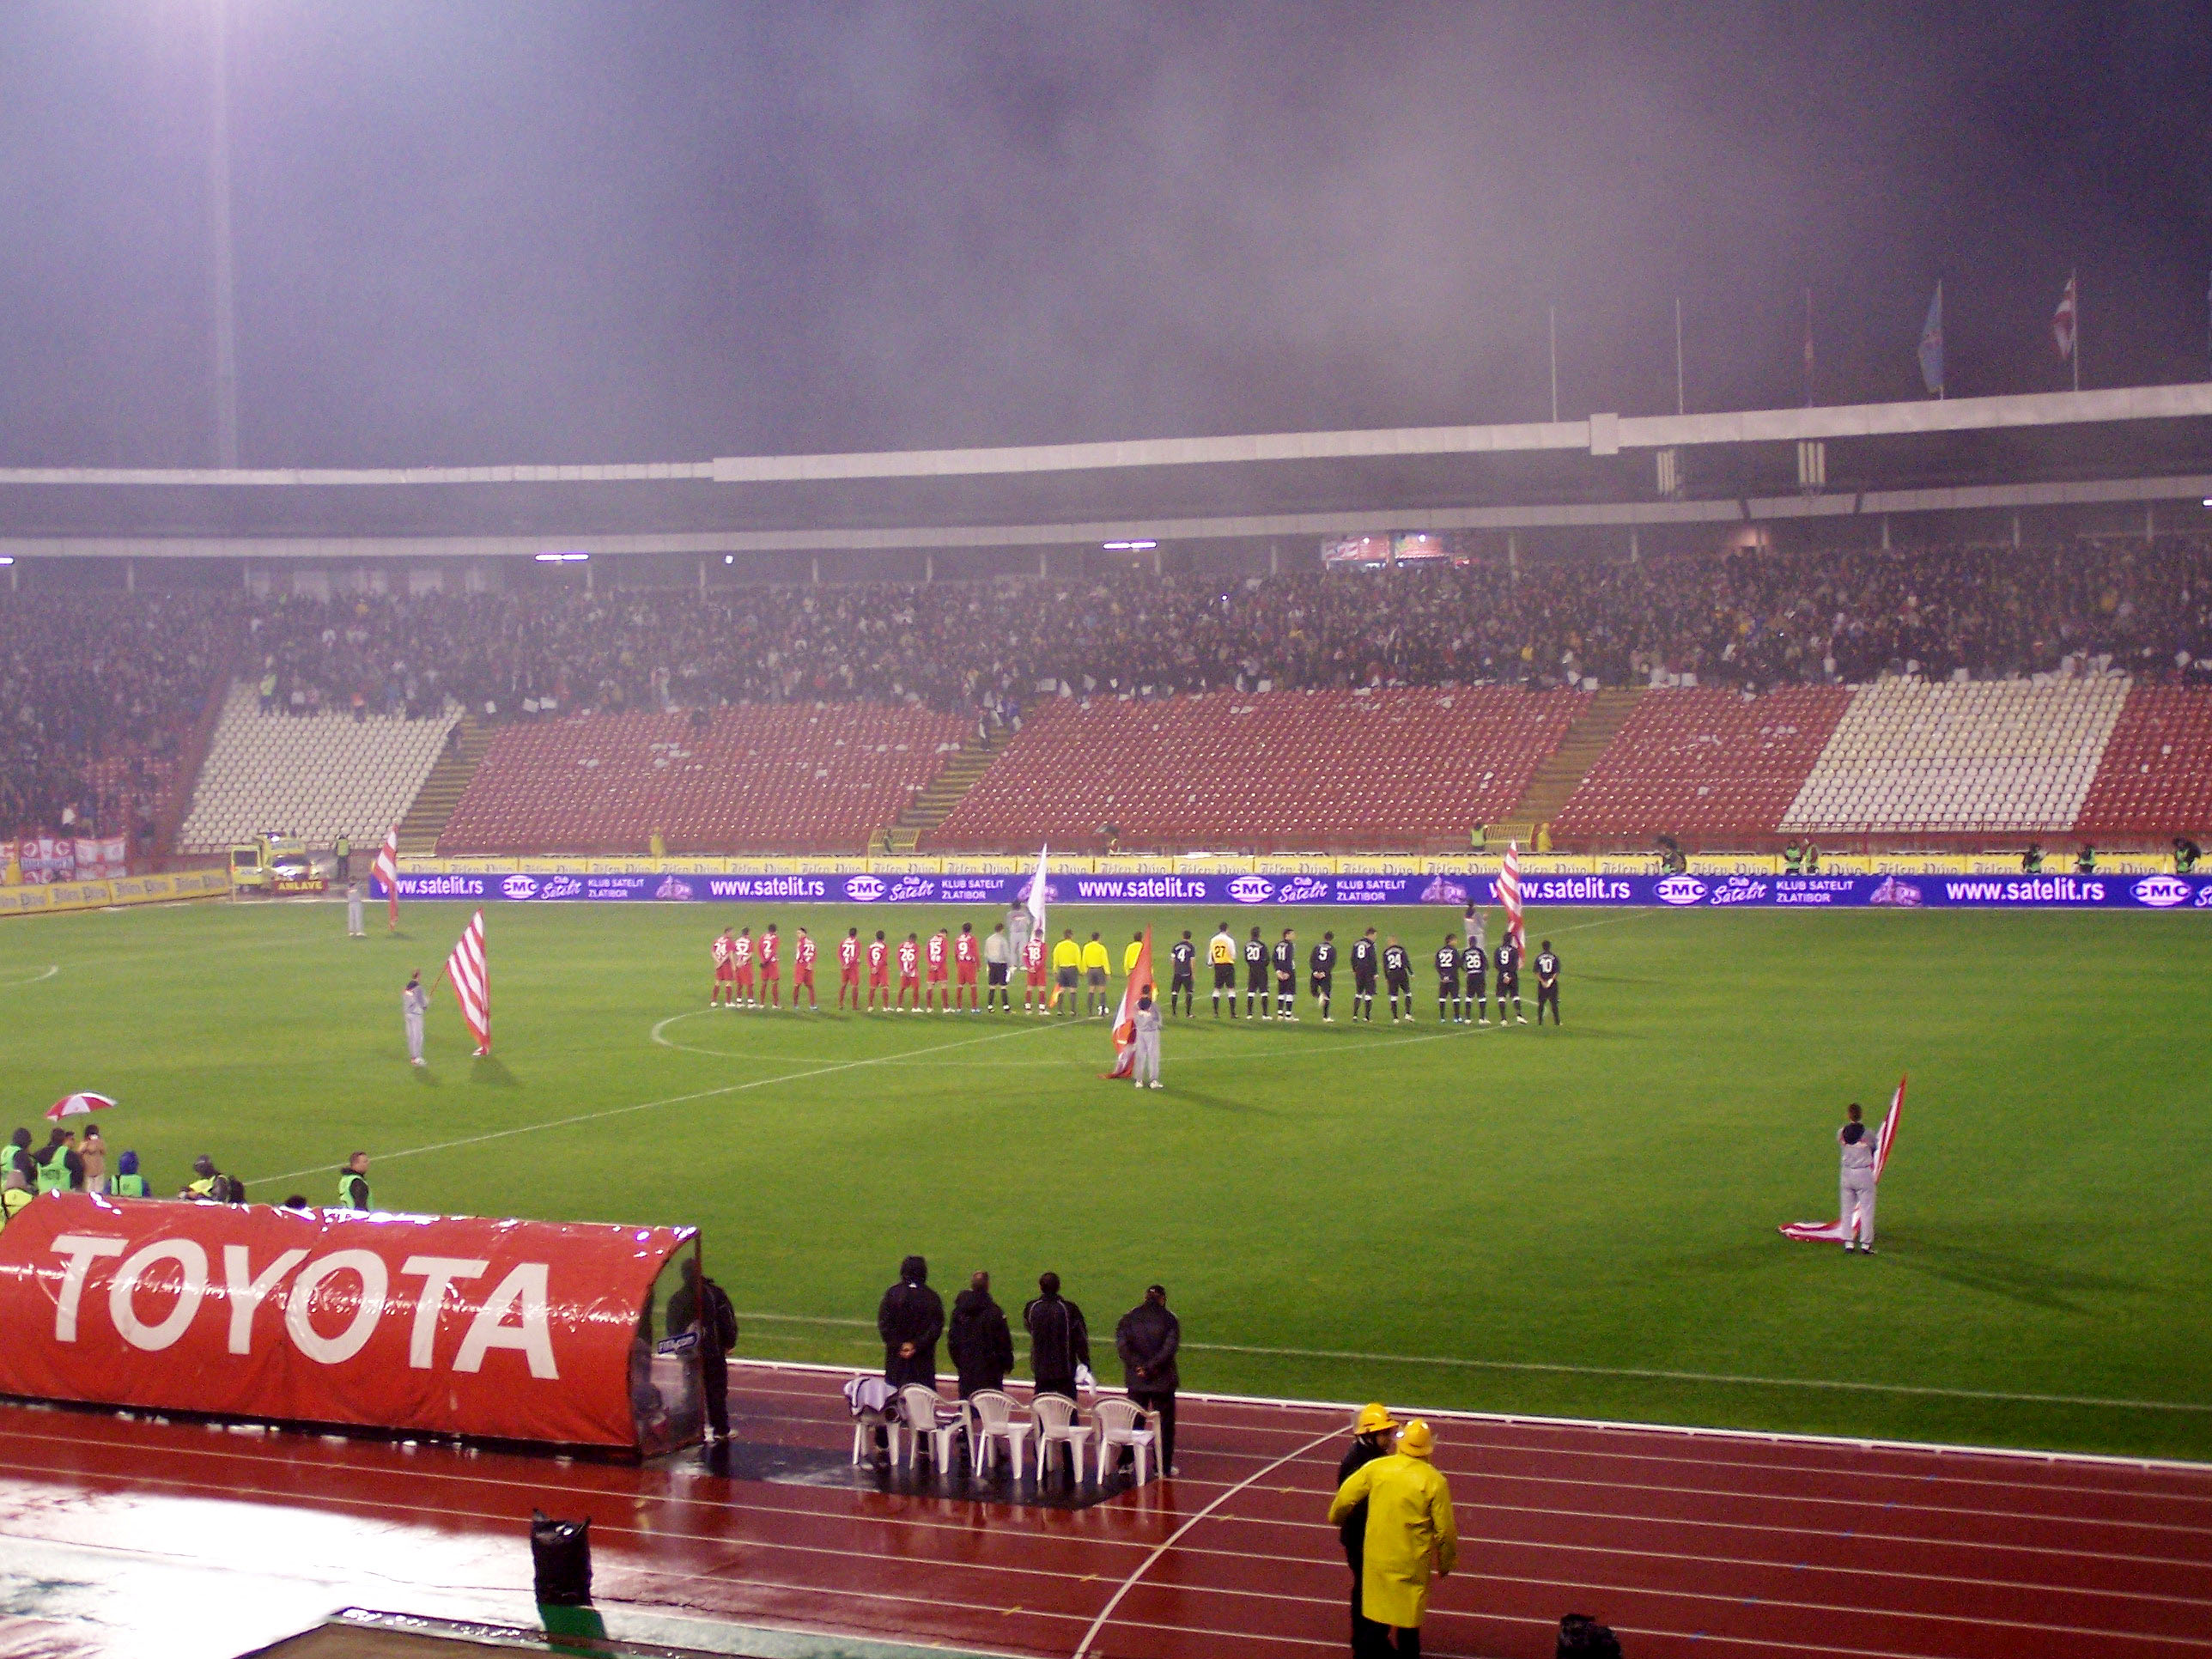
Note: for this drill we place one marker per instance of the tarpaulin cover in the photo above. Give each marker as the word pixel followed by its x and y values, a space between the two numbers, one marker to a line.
pixel 522 1330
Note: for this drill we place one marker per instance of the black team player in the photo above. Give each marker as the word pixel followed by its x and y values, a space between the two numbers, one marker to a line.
pixel 1547 983
pixel 1221 952
pixel 1321 975
pixel 1256 974
pixel 1286 976
pixel 1472 966
pixel 1398 975
pixel 1450 1011
pixel 1507 961
pixel 1364 963
pixel 1184 955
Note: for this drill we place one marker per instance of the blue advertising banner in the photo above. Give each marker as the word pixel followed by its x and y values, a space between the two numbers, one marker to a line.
pixel 2057 892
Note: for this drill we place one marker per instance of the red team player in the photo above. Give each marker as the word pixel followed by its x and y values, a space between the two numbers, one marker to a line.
pixel 849 967
pixel 966 952
pixel 909 956
pixel 1035 988
pixel 771 968
pixel 802 968
pixel 742 954
pixel 879 970
pixel 726 971
pixel 940 955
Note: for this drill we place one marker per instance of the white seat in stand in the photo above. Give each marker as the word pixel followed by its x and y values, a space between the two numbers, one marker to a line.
pixel 1056 1426
pixel 926 1413
pixel 992 1419
pixel 1116 1421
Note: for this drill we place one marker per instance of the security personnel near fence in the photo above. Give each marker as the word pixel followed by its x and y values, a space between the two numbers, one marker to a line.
pixel 353 1184
pixel 1375 1431
pixel 129 1183
pixel 1411 1536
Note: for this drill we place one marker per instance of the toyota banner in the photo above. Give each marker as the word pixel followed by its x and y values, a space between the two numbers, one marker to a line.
pixel 2058 892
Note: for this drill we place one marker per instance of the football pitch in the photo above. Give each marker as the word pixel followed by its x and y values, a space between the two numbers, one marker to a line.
pixel 1577 1222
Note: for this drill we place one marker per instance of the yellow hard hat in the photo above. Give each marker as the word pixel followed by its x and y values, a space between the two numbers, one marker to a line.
pixel 1416 1439
pixel 1374 1417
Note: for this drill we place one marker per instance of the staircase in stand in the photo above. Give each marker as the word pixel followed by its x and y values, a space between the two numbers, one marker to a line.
pixel 441 791
pixel 947 790
pixel 1563 770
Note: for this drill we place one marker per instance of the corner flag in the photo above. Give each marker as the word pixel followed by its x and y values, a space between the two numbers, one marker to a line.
pixel 386 870
pixel 1125 1022
pixel 465 968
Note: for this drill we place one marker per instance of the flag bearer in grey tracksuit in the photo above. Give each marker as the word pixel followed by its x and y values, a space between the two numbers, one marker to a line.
pixel 1147 1022
pixel 414 1002
pixel 1857 1193
pixel 354 929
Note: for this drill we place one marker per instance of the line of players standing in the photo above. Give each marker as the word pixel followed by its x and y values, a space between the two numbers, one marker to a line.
pixel 1464 971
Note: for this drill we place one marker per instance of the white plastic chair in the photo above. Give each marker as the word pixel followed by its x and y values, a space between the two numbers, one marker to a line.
pixel 926 1413
pixel 993 1419
pixel 1116 1421
pixel 1056 1426
pixel 865 1426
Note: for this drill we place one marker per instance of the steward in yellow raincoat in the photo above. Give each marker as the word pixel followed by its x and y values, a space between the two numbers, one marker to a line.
pixel 1410 1529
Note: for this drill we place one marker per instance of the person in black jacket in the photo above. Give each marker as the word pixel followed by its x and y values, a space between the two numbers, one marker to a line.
pixel 1146 1339
pixel 1060 1342
pixel 1376 1434
pixel 702 1305
pixel 910 1319
pixel 982 1348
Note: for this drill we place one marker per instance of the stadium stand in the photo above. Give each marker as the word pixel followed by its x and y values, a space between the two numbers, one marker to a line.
pixel 2155 780
pixel 1282 771
pixel 2005 756
pixel 787 778
pixel 1713 768
pixel 316 776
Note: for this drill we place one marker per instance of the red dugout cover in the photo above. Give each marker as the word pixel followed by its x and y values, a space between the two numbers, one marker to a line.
pixel 520 1330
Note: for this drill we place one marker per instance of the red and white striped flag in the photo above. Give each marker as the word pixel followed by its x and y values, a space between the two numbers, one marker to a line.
pixel 1509 895
pixel 472 985
pixel 1842 1227
pixel 2063 320
pixel 386 870
pixel 1125 1022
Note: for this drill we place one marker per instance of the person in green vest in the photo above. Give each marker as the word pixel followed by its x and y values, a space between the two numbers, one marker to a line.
pixel 129 1183
pixel 60 1169
pixel 2031 862
pixel 1793 857
pixel 344 850
pixel 353 1183
pixel 208 1185
pixel 14 1193
pixel 2186 853
pixel 2085 861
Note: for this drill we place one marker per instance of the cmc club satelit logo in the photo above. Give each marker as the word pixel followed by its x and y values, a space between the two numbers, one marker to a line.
pixel 2162 892
pixel 518 887
pixel 1680 889
pixel 1251 889
pixel 864 889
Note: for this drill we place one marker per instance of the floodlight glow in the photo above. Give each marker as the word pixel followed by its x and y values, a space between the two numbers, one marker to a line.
pixel 1129 547
pixel 10 558
pixel 562 558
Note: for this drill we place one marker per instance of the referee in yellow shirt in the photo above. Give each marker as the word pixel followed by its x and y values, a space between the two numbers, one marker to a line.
pixel 1067 965
pixel 1096 964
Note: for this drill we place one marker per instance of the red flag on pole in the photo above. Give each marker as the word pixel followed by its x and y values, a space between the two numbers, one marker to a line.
pixel 2062 320
pixel 387 871
pixel 1509 895
pixel 472 985
pixel 1842 1227
pixel 1125 1022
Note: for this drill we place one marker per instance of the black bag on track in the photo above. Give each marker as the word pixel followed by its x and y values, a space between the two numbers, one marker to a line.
pixel 1581 1637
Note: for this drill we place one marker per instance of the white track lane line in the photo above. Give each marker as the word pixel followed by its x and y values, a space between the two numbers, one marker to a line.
pixel 1611 1371
pixel 669 1100
pixel 1335 1431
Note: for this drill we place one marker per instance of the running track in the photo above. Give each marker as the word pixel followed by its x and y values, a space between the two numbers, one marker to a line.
pixel 1713 1545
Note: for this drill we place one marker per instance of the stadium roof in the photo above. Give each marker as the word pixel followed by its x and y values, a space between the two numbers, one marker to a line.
pixel 2132 444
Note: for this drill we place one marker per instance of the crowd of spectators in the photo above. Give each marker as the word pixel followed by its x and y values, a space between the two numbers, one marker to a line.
pixel 91 677
pixel 98 695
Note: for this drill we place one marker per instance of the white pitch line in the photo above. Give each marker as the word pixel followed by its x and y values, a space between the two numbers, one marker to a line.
pixel 649 1105
pixel 1083 1647
pixel 40 977
pixel 1610 1370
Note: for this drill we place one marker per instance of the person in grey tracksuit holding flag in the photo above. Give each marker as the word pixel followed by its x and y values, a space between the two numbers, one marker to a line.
pixel 1858 1178
pixel 1146 1019
pixel 414 1002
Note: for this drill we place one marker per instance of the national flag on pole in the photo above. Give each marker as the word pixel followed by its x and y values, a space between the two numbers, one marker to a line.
pixel 1509 895
pixel 1125 1022
pixel 1034 900
pixel 1931 344
pixel 2062 321
pixel 386 870
pixel 1842 1227
pixel 472 985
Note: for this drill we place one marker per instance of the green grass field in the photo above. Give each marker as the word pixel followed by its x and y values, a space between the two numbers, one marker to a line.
pixel 1504 1220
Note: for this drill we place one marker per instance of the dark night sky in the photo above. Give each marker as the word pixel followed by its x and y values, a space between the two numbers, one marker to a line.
pixel 472 234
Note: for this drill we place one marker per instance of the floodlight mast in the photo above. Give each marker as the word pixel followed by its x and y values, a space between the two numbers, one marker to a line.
pixel 219 236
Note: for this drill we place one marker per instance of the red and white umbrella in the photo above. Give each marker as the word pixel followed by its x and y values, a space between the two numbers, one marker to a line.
pixel 77 1106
